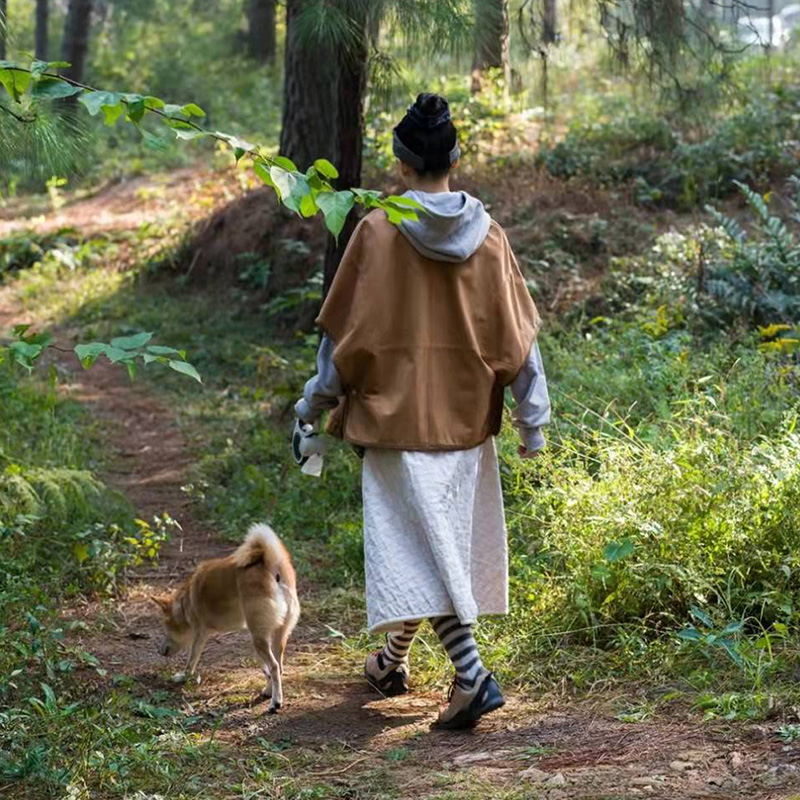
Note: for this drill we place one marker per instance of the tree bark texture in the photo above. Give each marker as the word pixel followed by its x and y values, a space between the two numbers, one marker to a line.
pixel 261 30
pixel 491 40
pixel 3 26
pixel 76 38
pixel 352 84
pixel 549 21
pixel 42 47
pixel 309 98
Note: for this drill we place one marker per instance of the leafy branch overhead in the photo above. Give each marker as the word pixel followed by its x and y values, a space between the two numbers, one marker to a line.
pixel 305 193
pixel 130 351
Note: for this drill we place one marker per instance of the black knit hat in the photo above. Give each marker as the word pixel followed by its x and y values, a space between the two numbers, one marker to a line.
pixel 426 138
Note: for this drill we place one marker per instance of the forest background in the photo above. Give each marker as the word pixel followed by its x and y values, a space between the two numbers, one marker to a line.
pixel 643 156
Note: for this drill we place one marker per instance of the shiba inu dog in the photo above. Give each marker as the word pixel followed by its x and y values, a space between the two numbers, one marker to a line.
pixel 253 588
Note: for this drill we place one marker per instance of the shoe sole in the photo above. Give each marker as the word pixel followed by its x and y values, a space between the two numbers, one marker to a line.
pixel 396 685
pixel 467 718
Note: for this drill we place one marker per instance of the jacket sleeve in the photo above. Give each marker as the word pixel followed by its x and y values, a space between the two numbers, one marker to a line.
pixel 338 313
pixel 322 392
pixel 515 320
pixel 533 401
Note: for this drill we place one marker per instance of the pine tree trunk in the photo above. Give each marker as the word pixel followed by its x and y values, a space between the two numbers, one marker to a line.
pixel 42 39
pixel 3 23
pixel 261 30
pixel 76 38
pixel 309 98
pixel 549 22
pixel 771 15
pixel 352 83
pixel 491 40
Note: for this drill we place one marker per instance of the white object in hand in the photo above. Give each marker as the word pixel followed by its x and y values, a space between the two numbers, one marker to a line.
pixel 308 447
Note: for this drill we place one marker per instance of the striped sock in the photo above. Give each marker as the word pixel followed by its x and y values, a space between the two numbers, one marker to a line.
pixel 460 644
pixel 398 644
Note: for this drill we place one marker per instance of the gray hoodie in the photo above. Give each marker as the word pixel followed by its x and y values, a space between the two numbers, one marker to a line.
pixel 453 228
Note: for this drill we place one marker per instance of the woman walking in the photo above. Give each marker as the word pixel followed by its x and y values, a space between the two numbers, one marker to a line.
pixel 425 325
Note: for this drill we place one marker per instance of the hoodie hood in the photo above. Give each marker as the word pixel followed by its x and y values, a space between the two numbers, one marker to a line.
pixel 453 228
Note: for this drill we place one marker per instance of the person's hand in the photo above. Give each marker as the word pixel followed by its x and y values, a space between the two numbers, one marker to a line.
pixel 525 453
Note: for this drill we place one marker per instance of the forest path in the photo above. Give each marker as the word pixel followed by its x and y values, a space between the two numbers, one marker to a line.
pixel 334 731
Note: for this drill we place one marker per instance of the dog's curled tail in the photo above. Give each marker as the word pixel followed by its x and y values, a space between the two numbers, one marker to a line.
pixel 261 546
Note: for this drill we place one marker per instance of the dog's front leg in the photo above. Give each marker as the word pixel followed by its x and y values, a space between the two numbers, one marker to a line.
pixel 198 645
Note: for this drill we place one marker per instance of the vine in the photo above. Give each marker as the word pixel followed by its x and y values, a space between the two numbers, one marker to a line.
pixel 306 193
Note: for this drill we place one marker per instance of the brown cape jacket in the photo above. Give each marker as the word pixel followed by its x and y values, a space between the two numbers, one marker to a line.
pixel 424 348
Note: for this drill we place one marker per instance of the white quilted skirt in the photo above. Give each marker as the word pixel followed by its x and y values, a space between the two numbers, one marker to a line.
pixel 434 536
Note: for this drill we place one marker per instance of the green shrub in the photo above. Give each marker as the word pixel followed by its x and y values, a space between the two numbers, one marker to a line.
pixel 670 167
pixel 61 532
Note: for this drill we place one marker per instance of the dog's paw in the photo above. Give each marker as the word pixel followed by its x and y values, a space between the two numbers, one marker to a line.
pixel 274 708
pixel 185 677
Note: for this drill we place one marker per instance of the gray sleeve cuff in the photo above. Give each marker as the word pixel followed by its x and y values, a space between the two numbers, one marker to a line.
pixel 533 401
pixel 533 439
pixel 304 412
pixel 322 392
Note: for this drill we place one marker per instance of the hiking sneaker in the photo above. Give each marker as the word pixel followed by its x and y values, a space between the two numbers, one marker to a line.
pixel 387 677
pixel 467 705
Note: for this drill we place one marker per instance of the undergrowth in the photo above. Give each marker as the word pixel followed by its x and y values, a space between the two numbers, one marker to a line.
pixel 654 543
pixel 63 535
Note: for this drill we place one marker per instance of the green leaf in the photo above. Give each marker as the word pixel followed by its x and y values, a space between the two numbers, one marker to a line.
pixel 25 353
pixel 324 167
pixel 179 124
pixel 136 109
pixel 285 163
pixel 192 110
pixel 335 206
pixel 396 215
pixel 133 341
pixel 53 89
pixel 95 101
pixel 190 134
pixel 291 187
pixel 616 551
pixel 701 616
pixel 88 353
pixel 368 197
pixel 116 354
pixel 262 170
pixel 38 67
pixel 153 102
pixel 20 329
pixel 690 635
pixel 13 79
pixel 153 142
pixel 161 350
pixel 113 113
pixel 235 142
pixel 185 368
pixel 408 202
pixel 733 627
pixel 307 206
pixel 43 339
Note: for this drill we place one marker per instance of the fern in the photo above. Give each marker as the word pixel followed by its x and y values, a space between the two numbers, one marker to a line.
pixel 51 494
pixel 728 224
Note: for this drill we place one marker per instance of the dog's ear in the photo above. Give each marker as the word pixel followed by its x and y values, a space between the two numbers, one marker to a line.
pixel 164 603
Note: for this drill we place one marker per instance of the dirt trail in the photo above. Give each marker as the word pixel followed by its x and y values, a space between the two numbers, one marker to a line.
pixel 554 750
